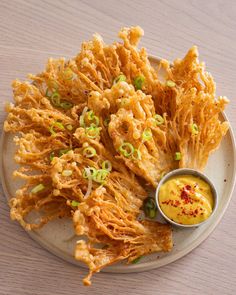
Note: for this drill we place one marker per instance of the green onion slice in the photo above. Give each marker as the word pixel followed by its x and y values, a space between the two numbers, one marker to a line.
pixel 92 117
pixel 139 82
pixel 106 165
pixel 150 207
pixel 92 172
pixel 136 154
pixel 74 203
pixel 38 188
pixel 170 83
pixel 147 134
pixel 159 120
pixel 152 213
pixel 89 152
pixel 68 74
pixel 101 175
pixel 58 125
pixel 56 99
pixel 66 105
pixel 178 156
pixel 66 172
pixel 136 260
pixel 92 132
pixel 119 79
pixel 126 149
pixel 51 156
pixel 194 129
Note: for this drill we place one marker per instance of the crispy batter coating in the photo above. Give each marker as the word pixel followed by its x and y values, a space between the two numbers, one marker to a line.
pixel 75 115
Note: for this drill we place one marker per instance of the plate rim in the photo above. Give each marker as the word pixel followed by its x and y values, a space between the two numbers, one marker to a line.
pixel 145 266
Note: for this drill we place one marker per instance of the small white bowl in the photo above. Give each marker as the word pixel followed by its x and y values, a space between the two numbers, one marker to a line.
pixel 187 171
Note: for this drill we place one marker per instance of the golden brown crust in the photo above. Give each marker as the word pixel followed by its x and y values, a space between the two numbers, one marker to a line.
pixel 107 213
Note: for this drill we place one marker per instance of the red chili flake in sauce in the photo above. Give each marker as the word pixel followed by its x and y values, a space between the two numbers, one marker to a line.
pixel 185 196
pixel 188 187
pixel 167 202
pixel 177 203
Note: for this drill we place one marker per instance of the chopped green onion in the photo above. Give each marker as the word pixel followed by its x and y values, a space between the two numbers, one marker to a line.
pixel 119 79
pixel 136 154
pixel 69 127
pixel 138 82
pixel 38 188
pixel 126 149
pixel 101 175
pixel 106 122
pixel 178 156
pixel 98 175
pixel 92 117
pixel 92 132
pixel 74 203
pixel 150 203
pixel 66 172
pixel 170 83
pixel 63 152
pixel 89 152
pixel 68 74
pixel 136 260
pixel 92 170
pixel 194 129
pixel 58 125
pixel 106 165
pixel 159 120
pixel 66 105
pixel 147 134
pixel 51 156
pixel 56 99
pixel 152 213
pixel 150 208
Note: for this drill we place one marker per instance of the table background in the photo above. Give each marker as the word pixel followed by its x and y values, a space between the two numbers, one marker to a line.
pixel 30 32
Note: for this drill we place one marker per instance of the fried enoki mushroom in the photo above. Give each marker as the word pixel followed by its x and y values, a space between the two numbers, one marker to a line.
pixel 107 223
pixel 89 130
pixel 195 125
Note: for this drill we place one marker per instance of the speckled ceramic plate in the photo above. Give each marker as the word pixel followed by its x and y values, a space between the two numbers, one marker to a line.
pixel 57 236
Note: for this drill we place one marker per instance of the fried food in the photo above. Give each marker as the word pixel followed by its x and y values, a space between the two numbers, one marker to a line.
pixel 93 132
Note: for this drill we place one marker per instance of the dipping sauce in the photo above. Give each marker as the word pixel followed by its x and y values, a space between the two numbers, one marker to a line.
pixel 186 199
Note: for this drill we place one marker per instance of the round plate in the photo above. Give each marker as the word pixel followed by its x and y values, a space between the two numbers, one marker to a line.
pixel 57 236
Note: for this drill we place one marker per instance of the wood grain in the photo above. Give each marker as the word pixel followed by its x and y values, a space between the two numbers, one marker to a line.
pixel 30 32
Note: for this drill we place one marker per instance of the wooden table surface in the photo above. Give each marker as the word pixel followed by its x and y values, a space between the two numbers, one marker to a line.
pixel 32 31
